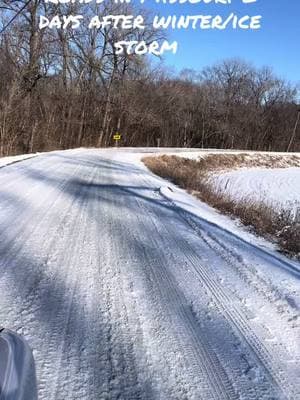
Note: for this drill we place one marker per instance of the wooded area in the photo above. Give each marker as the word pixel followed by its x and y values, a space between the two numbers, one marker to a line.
pixel 68 88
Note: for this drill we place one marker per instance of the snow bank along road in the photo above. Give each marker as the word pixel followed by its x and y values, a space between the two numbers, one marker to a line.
pixel 123 295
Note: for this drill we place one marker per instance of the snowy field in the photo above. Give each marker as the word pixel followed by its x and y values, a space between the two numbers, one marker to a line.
pixel 279 188
pixel 128 288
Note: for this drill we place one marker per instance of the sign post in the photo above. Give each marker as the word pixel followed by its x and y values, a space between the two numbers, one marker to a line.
pixel 116 138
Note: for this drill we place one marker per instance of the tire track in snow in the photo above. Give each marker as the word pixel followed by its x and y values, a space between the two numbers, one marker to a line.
pixel 263 352
pixel 122 379
pixel 28 222
pixel 260 287
pixel 67 377
pixel 198 354
pixel 247 272
pixel 40 287
pixel 216 368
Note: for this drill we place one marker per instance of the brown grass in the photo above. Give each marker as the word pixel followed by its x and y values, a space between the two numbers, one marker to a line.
pixel 192 175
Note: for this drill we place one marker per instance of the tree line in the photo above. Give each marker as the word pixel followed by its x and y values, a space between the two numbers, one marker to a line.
pixel 68 88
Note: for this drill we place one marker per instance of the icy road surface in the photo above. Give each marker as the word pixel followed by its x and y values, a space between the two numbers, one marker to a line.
pixel 123 294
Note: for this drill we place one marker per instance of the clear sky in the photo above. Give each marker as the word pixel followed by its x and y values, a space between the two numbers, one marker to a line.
pixel 276 44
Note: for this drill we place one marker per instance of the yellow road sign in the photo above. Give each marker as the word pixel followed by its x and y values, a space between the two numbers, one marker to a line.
pixel 117 137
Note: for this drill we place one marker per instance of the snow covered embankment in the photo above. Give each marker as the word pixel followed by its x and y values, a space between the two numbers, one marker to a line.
pixel 4 161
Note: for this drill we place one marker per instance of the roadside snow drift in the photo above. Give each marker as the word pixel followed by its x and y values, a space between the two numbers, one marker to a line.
pixel 4 161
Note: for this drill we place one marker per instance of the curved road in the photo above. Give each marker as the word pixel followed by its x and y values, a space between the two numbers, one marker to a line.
pixel 123 295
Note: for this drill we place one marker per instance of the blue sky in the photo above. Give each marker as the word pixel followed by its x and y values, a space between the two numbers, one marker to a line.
pixel 276 44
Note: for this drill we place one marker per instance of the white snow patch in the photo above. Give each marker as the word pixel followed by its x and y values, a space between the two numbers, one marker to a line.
pixel 4 161
pixel 279 188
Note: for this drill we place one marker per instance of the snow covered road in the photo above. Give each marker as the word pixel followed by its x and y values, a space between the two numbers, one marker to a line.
pixel 124 295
